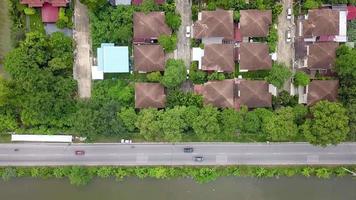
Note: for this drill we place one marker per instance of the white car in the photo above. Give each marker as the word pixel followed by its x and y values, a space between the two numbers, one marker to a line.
pixel 187 31
pixel 289 13
pixel 288 36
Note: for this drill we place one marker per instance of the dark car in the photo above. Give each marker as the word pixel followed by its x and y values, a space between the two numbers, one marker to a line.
pixel 79 152
pixel 198 158
pixel 188 149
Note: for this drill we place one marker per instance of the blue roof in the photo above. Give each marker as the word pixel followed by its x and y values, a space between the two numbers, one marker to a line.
pixel 113 59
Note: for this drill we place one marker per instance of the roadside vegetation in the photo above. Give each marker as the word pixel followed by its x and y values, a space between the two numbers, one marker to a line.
pixel 80 176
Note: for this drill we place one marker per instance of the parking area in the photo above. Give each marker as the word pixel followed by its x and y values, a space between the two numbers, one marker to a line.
pixel 183 7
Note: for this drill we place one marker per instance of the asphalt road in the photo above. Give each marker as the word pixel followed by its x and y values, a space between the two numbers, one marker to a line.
pixel 172 154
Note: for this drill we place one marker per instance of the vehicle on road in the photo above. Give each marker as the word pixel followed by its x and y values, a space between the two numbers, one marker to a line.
pixel 188 149
pixel 16 149
pixel 288 36
pixel 199 158
pixel 289 13
pixel 79 152
pixel 187 31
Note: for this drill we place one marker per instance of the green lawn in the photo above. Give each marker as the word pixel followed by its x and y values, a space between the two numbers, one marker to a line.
pixel 5 32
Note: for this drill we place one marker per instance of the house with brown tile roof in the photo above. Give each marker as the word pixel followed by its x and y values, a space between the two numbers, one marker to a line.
pixel 234 93
pixel 149 95
pixel 148 58
pixel 318 90
pixel 321 55
pixel 324 25
pixel 214 24
pixel 254 56
pixel 255 23
pixel 149 26
pixel 219 93
pixel 218 57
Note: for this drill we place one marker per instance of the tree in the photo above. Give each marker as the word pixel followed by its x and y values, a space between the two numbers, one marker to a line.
pixel 168 43
pixel 195 75
pixel 178 98
pixel 174 74
pixel 148 6
pixel 301 78
pixel 278 75
pixel 345 64
pixel 148 122
pixel 255 120
pixel 7 122
pixel 128 117
pixel 172 124
pixel 206 125
pixel 94 4
pixel 236 16
pixel 231 122
pixel 281 126
pixel 311 4
pixel 173 20
pixel 284 99
pixel 329 124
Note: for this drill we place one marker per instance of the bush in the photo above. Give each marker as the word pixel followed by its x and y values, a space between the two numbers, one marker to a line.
pixel 29 11
pixel 312 4
pixel 178 98
pixel 236 15
pixel 284 99
pixel 272 39
pixel 154 77
pixel 195 75
pixel 278 75
pixel 175 73
pixel 168 43
pixel 301 79
pixel 216 76
pixel 173 20
pixel 62 19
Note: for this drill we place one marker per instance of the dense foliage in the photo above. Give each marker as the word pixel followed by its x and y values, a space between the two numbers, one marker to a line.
pixel 301 79
pixel 168 43
pixel 278 75
pixel 175 73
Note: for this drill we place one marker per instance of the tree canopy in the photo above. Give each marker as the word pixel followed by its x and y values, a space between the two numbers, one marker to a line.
pixel 278 75
pixel 174 74
pixel 301 78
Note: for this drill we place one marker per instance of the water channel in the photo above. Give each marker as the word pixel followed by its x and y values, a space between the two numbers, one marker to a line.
pixel 227 188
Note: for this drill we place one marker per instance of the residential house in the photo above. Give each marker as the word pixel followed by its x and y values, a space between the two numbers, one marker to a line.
pixel 214 26
pixel 319 90
pixel 254 56
pixel 148 27
pixel 255 23
pixel 149 95
pixel 234 93
pixel 110 59
pixel 148 58
pixel 215 57
pixel 324 25
pixel 49 8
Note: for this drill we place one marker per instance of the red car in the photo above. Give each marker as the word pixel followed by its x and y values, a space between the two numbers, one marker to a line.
pixel 79 152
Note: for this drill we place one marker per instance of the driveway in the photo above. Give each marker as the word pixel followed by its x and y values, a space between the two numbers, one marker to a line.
pixel 50 154
pixel 82 66
pixel 285 50
pixel 184 8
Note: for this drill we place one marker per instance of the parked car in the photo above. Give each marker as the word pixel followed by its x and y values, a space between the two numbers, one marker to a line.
pixel 79 152
pixel 188 149
pixel 198 158
pixel 187 31
pixel 288 36
pixel 289 13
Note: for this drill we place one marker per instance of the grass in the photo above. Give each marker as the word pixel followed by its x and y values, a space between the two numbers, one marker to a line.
pixel 5 138
pixel 5 31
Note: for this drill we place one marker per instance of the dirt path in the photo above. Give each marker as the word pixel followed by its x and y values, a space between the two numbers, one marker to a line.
pixel 184 7
pixel 82 66
pixel 5 32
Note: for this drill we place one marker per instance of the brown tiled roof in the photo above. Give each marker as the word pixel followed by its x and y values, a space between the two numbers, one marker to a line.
pixel 321 22
pixel 217 23
pixel 148 58
pixel 255 23
pixel 218 57
pixel 322 90
pixel 322 55
pixel 254 94
pixel 149 95
pixel 150 25
pixel 254 56
pixel 219 93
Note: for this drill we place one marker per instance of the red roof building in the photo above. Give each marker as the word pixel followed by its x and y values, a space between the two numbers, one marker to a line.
pixel 351 12
pixel 49 13
pixel 40 3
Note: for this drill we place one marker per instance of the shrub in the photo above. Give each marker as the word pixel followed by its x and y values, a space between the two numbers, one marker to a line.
pixel 284 99
pixel 216 76
pixel 173 20
pixel 301 79
pixel 272 39
pixel 29 11
pixel 178 98
pixel 278 75
pixel 168 43
pixel 175 73
pixel 195 75
pixel 236 15
pixel 154 77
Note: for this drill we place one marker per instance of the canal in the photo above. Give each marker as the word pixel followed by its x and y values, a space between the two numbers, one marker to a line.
pixel 227 188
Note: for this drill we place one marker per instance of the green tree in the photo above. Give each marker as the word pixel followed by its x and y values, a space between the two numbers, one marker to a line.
pixel 206 125
pixel 128 117
pixel 278 75
pixel 301 78
pixel 345 64
pixel 281 126
pixel 255 121
pixel 168 43
pixel 172 123
pixel 195 75
pixel 329 124
pixel 231 121
pixel 148 122
pixel 173 20
pixel 284 99
pixel 179 98
pixel 148 6
pixel 311 4
pixel 236 16
pixel 94 4
pixel 174 74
